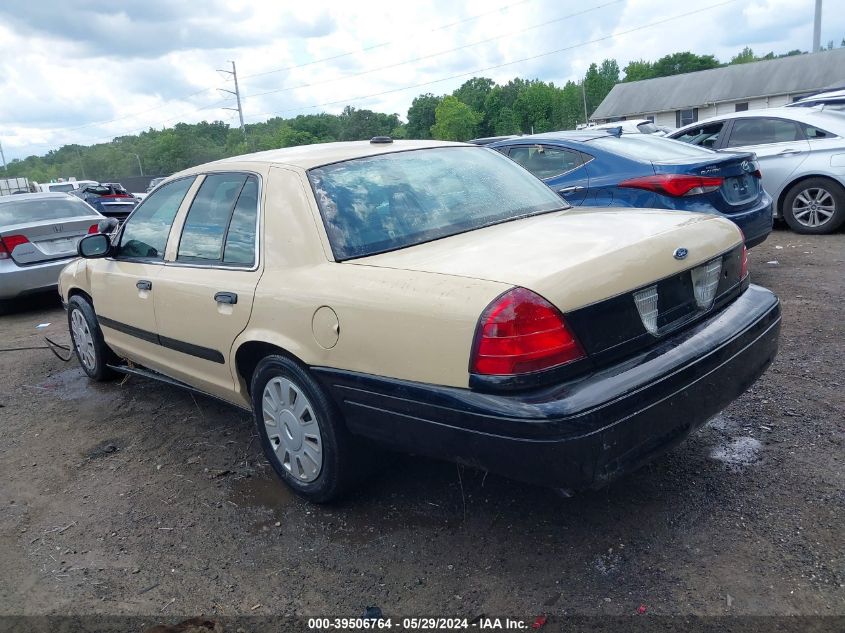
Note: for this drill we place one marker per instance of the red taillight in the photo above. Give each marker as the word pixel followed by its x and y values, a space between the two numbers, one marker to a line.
pixel 520 332
pixel 8 244
pixel 675 184
pixel 743 269
pixel 94 228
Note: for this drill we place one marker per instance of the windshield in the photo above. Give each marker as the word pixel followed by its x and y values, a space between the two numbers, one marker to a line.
pixel 382 203
pixel 651 148
pixel 45 209
pixel 648 128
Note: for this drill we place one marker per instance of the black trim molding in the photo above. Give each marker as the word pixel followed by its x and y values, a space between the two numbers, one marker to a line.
pixel 206 353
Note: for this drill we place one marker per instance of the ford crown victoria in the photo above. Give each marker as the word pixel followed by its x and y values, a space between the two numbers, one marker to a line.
pixel 432 297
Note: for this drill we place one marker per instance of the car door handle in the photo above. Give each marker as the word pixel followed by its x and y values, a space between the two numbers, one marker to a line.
pixel 790 151
pixel 573 189
pixel 143 284
pixel 226 297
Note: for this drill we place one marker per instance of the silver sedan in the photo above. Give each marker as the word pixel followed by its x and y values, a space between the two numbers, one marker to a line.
pixel 801 153
pixel 38 234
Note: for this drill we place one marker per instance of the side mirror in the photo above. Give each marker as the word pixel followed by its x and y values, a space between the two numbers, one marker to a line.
pixel 94 246
pixel 107 225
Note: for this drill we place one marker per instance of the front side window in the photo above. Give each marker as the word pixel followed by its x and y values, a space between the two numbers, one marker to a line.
pixel 144 234
pixel 544 161
pixel 220 227
pixel 703 136
pixel 382 203
pixel 763 131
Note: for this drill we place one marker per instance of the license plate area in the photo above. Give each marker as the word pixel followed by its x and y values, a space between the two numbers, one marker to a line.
pixel 740 189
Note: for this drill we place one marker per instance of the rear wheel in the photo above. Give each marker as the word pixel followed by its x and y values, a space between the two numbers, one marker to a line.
pixel 301 431
pixel 815 206
pixel 91 351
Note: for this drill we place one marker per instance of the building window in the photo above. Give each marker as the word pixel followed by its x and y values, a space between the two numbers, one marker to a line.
pixel 685 117
pixel 741 107
pixel 649 118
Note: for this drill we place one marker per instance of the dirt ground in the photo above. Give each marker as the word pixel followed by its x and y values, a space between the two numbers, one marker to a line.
pixel 137 498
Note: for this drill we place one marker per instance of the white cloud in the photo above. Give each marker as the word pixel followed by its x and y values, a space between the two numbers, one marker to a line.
pixel 119 71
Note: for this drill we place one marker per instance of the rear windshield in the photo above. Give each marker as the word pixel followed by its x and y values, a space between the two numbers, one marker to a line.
pixel 46 209
pixel 62 188
pixel 105 190
pixel 383 203
pixel 651 148
pixel 648 128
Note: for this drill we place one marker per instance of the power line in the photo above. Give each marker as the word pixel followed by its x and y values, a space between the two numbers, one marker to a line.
pixel 439 53
pixel 310 63
pixel 383 44
pixel 497 66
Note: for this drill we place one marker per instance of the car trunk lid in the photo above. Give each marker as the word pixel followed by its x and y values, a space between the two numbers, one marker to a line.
pixel 40 241
pixel 741 187
pixel 575 257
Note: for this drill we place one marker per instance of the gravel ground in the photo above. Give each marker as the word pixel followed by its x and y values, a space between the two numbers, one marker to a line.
pixel 137 498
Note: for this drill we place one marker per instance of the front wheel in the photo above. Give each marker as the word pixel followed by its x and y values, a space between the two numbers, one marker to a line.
pixel 815 206
pixel 301 431
pixel 91 351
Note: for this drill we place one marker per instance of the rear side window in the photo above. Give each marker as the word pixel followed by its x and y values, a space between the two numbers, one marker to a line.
pixel 220 226
pixel 145 233
pixel 544 161
pixel 650 148
pixel 763 131
pixel 812 132
pixel 703 136
pixel 16 211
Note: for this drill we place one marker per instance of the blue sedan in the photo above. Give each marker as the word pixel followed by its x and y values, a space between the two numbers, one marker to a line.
pixel 608 168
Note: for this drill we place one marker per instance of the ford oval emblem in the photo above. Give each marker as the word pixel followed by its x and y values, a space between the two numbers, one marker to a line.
pixel 680 253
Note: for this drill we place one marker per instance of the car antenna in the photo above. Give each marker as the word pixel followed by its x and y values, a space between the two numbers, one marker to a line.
pixel 615 131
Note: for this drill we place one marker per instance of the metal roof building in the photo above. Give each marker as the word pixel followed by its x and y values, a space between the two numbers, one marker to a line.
pixel 682 99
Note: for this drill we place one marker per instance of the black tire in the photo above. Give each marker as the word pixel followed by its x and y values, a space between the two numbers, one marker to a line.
pixel 97 369
pixel 809 189
pixel 339 449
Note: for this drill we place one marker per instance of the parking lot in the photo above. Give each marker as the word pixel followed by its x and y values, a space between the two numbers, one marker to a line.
pixel 137 498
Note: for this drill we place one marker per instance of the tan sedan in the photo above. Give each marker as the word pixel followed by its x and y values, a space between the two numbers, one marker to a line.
pixel 433 297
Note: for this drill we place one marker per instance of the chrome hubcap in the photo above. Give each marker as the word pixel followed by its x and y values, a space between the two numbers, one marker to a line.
pixel 813 207
pixel 83 340
pixel 292 429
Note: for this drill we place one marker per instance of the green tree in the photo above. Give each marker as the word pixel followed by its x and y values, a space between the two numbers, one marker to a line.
pixel 455 121
pixel 745 56
pixel 599 81
pixel 639 70
pixel 421 115
pixel 685 62
pixel 474 93
pixel 539 107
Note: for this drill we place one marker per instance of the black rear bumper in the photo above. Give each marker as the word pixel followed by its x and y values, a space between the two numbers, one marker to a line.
pixel 584 432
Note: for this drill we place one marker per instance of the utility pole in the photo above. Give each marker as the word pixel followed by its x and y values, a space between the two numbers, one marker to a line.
pixel 141 169
pixel 817 27
pixel 584 93
pixel 235 92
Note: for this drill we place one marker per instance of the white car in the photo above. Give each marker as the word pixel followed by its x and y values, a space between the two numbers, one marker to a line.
pixel 633 126
pixel 801 152
pixel 833 100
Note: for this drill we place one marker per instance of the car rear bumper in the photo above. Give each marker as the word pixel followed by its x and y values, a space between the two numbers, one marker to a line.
pixel 16 281
pixel 585 432
pixel 755 223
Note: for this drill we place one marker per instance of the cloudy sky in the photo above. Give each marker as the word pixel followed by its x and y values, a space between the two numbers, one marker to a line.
pixel 85 71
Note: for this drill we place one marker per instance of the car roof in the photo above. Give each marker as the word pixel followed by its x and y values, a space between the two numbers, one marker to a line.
pixel 821 118
pixel 35 196
pixel 308 156
pixel 579 136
